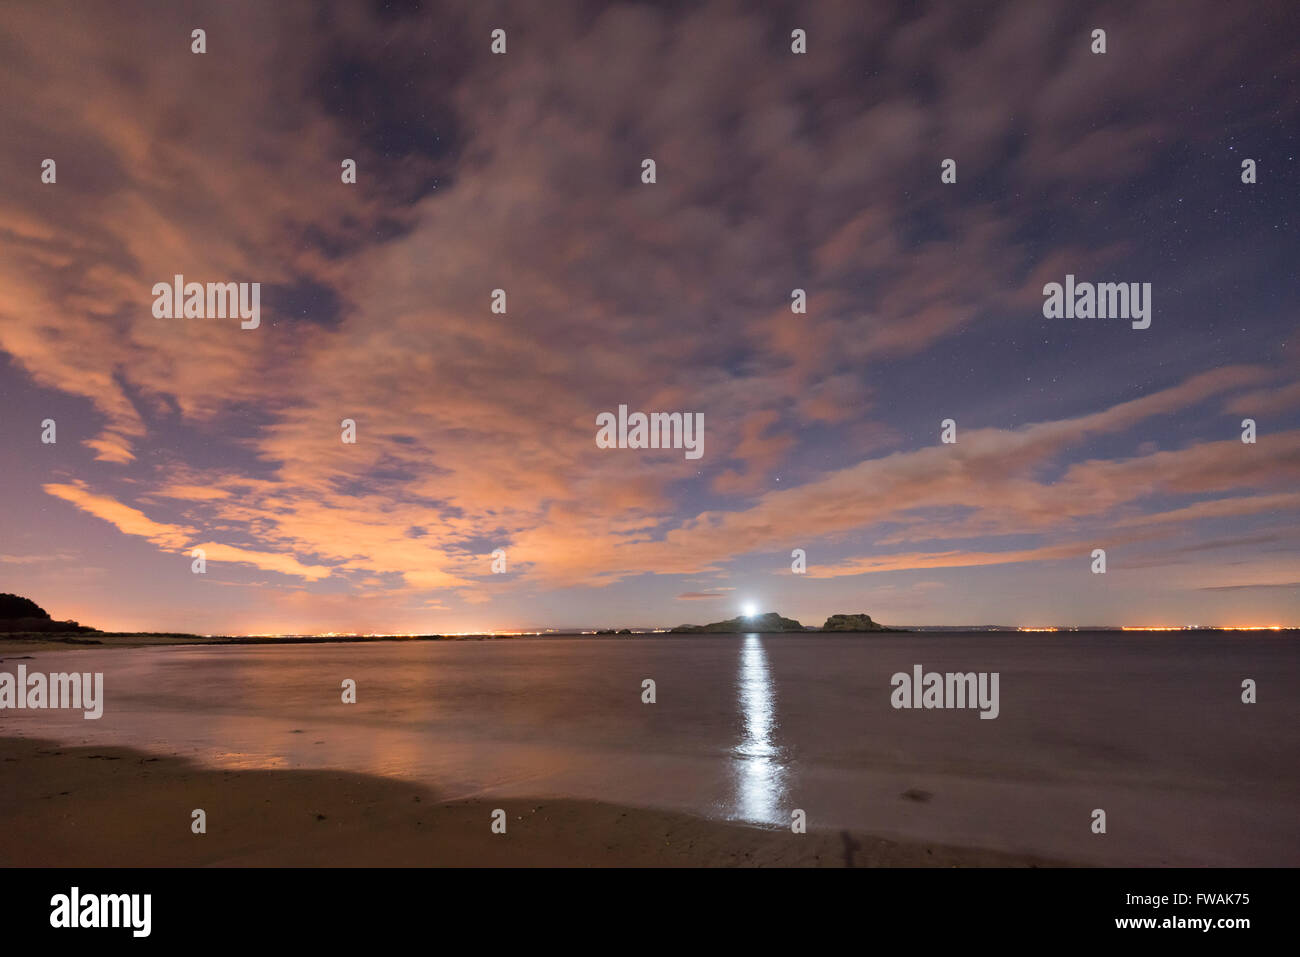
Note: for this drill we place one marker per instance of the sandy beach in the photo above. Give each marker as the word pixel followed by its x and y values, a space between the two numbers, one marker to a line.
pixel 117 807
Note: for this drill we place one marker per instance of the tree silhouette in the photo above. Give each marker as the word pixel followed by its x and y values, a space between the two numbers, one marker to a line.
pixel 15 606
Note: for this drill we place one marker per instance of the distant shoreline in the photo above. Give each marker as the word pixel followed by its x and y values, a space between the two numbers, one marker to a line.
pixel 40 641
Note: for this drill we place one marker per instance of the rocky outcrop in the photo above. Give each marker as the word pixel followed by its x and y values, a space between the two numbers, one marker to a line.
pixel 853 623
pixel 767 622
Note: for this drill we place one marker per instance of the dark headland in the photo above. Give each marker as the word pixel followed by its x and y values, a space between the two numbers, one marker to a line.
pixel 21 616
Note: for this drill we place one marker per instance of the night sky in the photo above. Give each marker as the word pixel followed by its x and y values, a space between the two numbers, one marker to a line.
pixel 775 171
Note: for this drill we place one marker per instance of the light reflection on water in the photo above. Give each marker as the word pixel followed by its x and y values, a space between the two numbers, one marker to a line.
pixel 758 761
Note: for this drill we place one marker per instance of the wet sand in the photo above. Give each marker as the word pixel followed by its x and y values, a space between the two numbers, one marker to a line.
pixel 117 807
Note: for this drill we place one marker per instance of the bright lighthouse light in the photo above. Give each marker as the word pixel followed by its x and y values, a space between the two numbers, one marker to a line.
pixel 749 609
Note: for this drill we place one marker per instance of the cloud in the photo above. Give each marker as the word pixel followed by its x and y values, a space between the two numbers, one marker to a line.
pixel 1260 402
pixel 128 520
pixel 775 172
pixel 268 561
pixel 915 560
pixel 132 521
pixel 1265 585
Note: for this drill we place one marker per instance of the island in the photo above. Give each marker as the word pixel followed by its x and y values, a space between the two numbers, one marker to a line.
pixel 770 622
pixel 859 622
